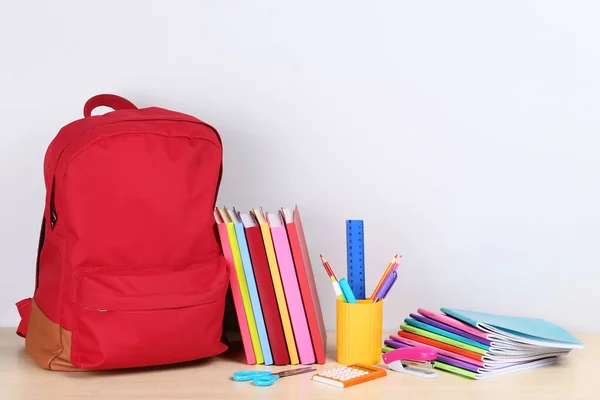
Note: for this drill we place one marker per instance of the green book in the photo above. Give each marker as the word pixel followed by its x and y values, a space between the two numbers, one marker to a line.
pixel 451 335
pixel 452 368
pixel 440 338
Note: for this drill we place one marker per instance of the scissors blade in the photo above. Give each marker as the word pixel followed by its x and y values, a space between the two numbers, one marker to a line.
pixel 296 371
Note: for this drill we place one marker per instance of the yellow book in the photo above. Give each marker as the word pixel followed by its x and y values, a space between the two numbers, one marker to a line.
pixel 239 270
pixel 277 285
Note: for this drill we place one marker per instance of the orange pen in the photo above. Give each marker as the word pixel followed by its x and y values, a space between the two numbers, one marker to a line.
pixel 395 261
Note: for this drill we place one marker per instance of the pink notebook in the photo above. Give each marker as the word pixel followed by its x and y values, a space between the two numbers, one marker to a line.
pixel 235 290
pixel 291 289
pixel 446 353
pixel 453 322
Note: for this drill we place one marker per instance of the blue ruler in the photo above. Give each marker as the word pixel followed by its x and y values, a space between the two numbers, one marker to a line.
pixel 355 246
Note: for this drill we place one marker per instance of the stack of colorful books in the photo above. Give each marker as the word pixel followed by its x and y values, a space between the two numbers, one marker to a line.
pixel 479 345
pixel 273 287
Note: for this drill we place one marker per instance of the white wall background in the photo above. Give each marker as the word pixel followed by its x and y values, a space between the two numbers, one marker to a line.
pixel 464 133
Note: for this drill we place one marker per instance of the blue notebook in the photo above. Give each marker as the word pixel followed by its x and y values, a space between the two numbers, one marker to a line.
pixel 254 299
pixel 533 331
pixel 427 327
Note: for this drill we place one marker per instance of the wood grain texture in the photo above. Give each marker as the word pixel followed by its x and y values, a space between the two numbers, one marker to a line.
pixel 573 378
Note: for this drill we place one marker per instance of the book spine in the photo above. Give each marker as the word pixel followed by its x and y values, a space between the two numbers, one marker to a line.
pixel 237 295
pixel 253 292
pixel 307 300
pixel 292 295
pixel 239 269
pixel 279 294
pixel 266 293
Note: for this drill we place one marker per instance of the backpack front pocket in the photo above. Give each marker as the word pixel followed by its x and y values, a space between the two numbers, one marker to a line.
pixel 133 317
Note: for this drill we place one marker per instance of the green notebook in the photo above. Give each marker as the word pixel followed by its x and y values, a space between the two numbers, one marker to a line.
pixel 433 329
pixel 452 368
pixel 440 338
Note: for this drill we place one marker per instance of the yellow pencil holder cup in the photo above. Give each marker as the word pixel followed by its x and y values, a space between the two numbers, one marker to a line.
pixel 359 332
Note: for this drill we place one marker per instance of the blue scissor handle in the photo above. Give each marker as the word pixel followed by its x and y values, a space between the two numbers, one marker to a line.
pixel 265 380
pixel 243 376
pixel 259 378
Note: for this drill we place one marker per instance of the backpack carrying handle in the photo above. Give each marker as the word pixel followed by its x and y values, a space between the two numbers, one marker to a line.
pixel 107 100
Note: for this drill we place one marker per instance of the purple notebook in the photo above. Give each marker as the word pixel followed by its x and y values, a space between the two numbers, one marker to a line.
pixel 449 328
pixel 440 357
pixel 456 363
pixel 395 344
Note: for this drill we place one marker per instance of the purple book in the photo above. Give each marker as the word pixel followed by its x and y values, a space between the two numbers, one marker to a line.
pixel 395 344
pixel 456 363
pixel 440 357
pixel 449 328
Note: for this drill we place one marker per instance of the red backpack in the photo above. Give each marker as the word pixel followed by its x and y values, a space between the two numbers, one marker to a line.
pixel 130 272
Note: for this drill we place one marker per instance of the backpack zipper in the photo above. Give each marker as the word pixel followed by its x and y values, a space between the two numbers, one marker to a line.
pixel 52 216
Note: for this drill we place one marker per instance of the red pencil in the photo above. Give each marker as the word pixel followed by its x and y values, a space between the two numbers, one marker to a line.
pixel 328 267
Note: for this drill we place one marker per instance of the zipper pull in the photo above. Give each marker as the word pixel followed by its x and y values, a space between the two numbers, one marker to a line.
pixel 52 216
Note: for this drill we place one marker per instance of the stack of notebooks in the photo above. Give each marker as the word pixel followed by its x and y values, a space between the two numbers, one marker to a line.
pixel 479 345
pixel 273 287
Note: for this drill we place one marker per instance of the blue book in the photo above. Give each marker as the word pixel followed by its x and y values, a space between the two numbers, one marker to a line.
pixel 442 332
pixel 533 331
pixel 253 291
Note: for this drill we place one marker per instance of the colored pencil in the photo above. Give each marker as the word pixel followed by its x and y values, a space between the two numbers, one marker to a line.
pixel 334 282
pixel 384 276
pixel 328 267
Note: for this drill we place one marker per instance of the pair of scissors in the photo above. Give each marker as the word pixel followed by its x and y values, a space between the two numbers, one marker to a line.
pixel 267 378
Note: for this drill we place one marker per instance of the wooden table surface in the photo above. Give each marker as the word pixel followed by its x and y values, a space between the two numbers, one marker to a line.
pixel 574 377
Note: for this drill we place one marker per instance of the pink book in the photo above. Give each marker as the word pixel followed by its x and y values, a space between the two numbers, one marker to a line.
pixel 306 281
pixel 446 353
pixel 452 322
pixel 291 289
pixel 235 290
